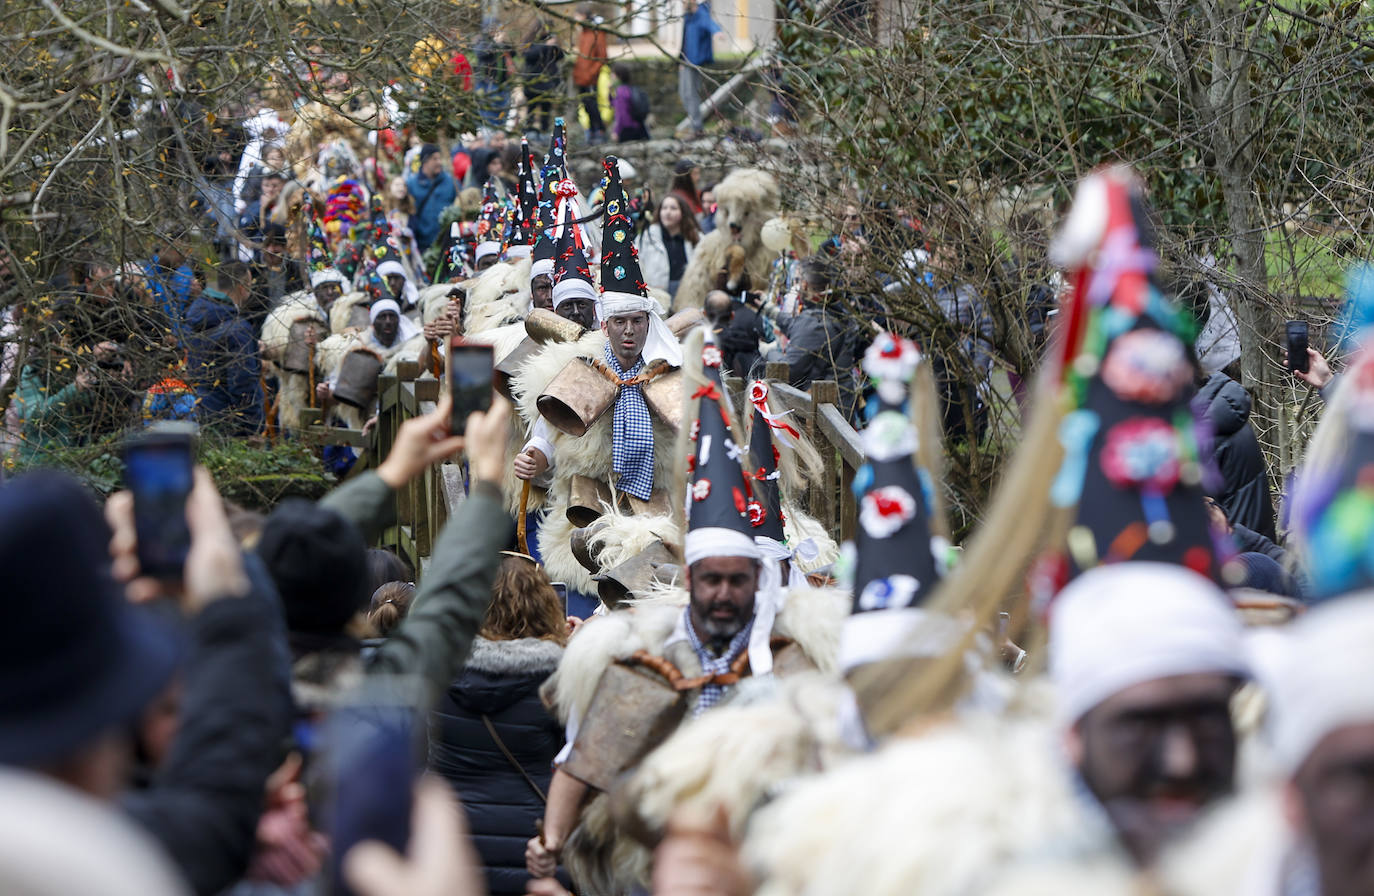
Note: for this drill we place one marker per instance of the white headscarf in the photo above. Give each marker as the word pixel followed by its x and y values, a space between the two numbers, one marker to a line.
pixel 1322 679
pixel 407 329
pixel 660 343
pixel 408 292
pixel 327 275
pixel 484 249
pixel 1127 623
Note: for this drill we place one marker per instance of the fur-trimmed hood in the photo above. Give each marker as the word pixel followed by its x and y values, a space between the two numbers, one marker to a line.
pixel 517 656
pixel 501 673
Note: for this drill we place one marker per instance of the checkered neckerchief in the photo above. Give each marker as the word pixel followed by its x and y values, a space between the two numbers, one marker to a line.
pixel 714 665
pixel 632 434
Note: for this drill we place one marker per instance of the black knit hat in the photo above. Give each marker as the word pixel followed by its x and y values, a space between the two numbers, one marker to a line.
pixel 319 561
pixel 719 498
pixel 82 660
pixel 620 271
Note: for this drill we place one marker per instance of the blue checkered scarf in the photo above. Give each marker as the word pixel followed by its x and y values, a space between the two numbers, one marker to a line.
pixel 632 434
pixel 711 694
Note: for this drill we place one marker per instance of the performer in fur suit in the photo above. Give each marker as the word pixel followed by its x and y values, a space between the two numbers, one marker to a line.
pixel 745 199
pixel 646 669
pixel 612 453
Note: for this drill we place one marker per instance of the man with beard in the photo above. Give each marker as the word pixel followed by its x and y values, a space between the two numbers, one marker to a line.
pixel 709 648
pixel 1145 658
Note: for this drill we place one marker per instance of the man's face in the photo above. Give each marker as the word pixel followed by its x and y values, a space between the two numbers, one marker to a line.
pixel 627 333
pixel 100 282
pixel 541 292
pixel 433 165
pixel 1156 753
pixel 1332 800
pixel 396 283
pixel 485 262
pixel 326 293
pixel 579 311
pixel 722 591
pixel 387 324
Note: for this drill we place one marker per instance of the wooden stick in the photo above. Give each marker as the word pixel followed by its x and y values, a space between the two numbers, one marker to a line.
pixel 524 515
pixel 310 372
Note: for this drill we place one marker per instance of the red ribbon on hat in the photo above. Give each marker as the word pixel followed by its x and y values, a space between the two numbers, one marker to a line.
pixel 707 391
pixel 758 397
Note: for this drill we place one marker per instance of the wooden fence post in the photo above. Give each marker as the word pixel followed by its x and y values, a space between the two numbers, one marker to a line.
pixel 826 492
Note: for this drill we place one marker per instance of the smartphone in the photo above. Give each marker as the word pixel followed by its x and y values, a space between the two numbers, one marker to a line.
pixel 561 589
pixel 158 471
pixel 1297 346
pixel 373 756
pixel 470 370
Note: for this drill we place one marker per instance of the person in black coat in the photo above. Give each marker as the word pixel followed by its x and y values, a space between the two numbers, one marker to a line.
pixel 494 709
pixel 1244 493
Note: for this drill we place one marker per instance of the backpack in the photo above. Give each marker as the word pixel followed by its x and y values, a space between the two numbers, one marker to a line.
pixel 639 104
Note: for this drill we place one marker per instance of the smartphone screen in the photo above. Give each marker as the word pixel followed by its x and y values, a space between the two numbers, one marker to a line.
pixel 562 591
pixel 1297 346
pixel 158 471
pixel 470 370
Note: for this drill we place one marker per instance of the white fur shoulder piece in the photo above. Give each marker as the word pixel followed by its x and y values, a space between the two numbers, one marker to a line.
pixel 813 617
pixel 1238 848
pixel 774 730
pixel 600 641
pixel 935 815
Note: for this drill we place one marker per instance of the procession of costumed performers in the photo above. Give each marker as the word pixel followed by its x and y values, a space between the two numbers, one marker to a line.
pixel 877 718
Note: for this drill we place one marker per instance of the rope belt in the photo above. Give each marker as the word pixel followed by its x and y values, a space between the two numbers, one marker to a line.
pixel 658 368
pixel 678 682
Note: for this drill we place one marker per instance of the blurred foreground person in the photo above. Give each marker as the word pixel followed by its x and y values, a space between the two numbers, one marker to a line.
pixel 90 663
pixel 492 738
pixel 1145 658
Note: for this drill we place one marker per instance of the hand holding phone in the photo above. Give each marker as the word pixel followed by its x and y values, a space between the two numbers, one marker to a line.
pixel 1296 343
pixel 159 468
pixel 470 369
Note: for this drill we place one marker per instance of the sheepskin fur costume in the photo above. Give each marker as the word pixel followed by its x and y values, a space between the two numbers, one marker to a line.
pixel 937 815
pixel 293 389
pixel 598 854
pixel 589 455
pixel 498 296
pixel 1240 847
pixel 747 197
pixel 342 311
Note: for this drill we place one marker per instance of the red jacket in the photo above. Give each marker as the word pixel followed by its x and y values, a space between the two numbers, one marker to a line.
pixel 591 55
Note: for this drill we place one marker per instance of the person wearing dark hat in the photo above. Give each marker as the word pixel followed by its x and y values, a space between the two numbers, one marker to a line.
pixel 90 662
pixel 431 186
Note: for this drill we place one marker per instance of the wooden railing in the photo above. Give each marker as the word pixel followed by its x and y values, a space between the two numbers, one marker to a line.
pixel 422 507
pixel 830 499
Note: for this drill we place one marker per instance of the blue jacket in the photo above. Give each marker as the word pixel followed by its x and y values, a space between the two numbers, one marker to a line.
pixel 697 29
pixel 222 362
pixel 425 221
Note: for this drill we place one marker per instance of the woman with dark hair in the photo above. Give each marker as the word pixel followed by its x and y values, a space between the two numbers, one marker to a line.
pixel 667 245
pixel 687 184
pixel 490 735
pixel 384 566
